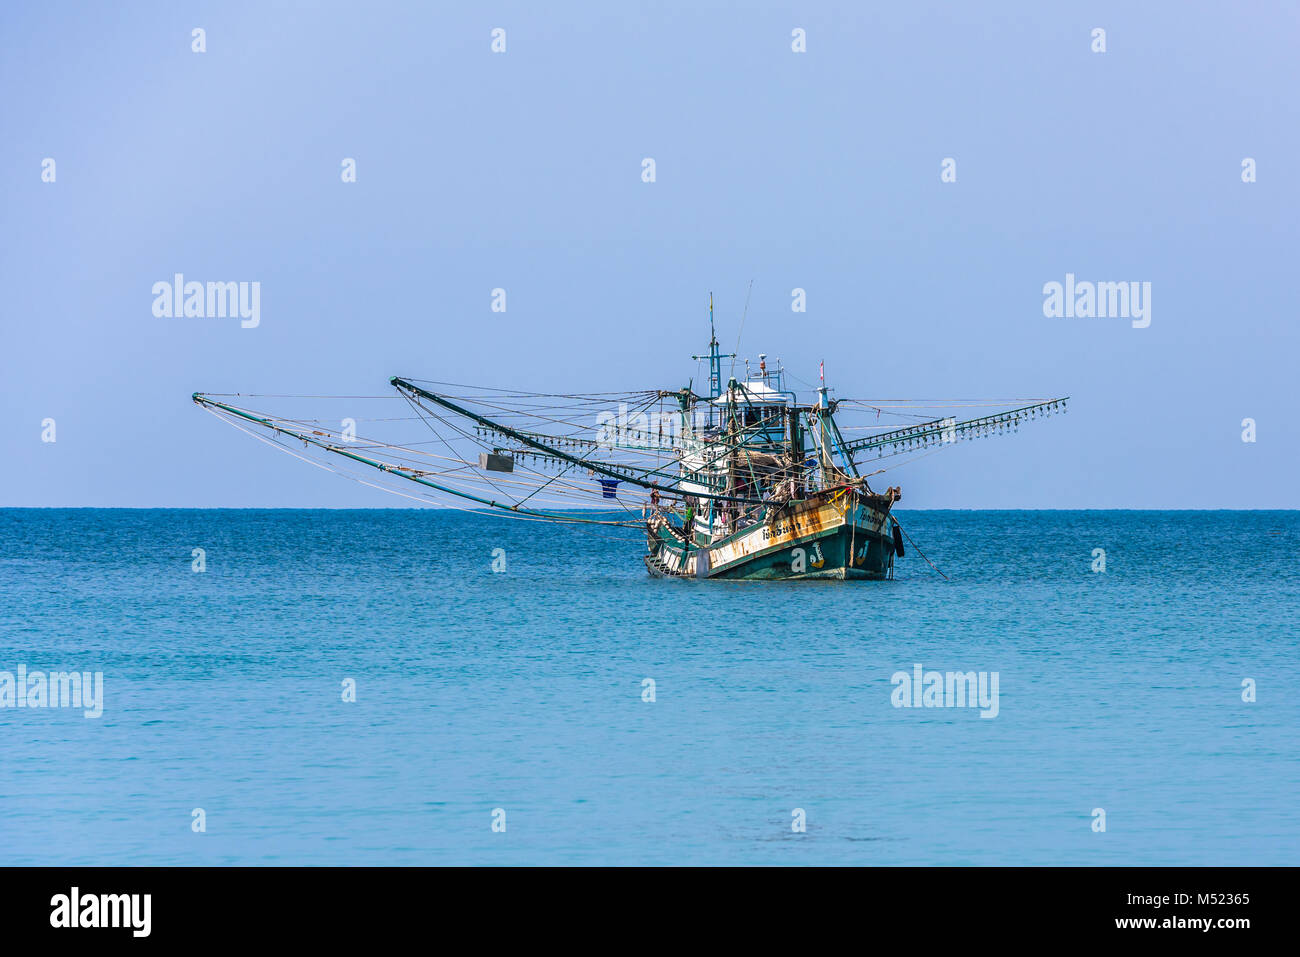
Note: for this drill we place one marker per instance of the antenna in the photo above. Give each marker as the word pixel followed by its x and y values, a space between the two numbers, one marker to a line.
pixel 742 328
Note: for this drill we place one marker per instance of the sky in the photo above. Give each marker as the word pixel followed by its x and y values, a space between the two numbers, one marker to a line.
pixel 523 170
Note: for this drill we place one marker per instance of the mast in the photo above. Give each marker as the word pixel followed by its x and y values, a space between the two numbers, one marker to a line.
pixel 831 438
pixel 794 450
pixel 715 362
pixel 822 405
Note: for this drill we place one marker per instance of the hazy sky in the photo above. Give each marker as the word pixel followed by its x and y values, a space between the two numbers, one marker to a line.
pixel 523 170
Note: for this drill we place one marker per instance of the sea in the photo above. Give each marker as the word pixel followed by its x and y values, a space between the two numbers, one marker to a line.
pixel 410 687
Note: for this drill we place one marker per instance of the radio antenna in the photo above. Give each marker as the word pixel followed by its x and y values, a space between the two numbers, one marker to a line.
pixel 742 329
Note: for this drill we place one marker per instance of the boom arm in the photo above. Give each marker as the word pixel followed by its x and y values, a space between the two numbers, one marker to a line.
pixel 939 431
pixel 622 474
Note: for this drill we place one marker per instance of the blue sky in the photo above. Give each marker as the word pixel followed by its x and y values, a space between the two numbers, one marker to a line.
pixel 522 170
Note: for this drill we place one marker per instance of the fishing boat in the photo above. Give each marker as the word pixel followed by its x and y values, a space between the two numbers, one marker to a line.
pixel 743 480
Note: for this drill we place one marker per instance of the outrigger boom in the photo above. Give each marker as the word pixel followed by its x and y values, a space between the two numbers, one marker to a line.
pixel 622 475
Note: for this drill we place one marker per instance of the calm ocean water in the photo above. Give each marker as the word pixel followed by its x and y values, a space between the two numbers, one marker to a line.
pixel 522 690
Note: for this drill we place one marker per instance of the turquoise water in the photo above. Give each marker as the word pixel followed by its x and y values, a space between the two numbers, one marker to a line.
pixel 522 690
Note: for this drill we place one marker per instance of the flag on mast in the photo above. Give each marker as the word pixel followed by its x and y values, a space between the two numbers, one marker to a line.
pixel 710 308
pixel 821 370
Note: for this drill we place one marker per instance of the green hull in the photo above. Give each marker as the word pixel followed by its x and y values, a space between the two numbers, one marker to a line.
pixel 857 547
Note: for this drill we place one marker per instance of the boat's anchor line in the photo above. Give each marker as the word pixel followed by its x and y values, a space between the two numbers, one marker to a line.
pixel 918 550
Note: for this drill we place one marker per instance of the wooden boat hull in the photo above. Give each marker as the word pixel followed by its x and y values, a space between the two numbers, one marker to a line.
pixel 840 538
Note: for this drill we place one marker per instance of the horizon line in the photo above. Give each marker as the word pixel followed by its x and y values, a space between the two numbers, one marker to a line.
pixel 436 508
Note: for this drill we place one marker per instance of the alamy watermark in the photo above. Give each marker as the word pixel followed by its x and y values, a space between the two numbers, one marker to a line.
pixel 179 299
pixel 76 909
pixel 1082 299
pixel 952 689
pixel 647 430
pixel 56 689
